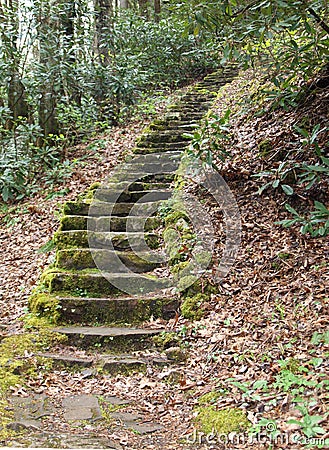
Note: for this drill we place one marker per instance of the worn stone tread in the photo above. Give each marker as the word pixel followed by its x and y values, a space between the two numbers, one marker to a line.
pixel 117 309
pixel 125 240
pixel 112 224
pixel 108 331
pixel 110 260
pixel 68 360
pixel 116 195
pixel 104 283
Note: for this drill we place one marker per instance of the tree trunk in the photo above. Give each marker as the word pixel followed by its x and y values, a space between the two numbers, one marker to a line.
pixel 157 10
pixel 143 8
pixel 124 4
pixel 47 112
pixel 16 96
pixel 48 63
pixel 103 19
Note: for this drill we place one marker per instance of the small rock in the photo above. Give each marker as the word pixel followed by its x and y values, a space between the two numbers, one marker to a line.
pixel 127 418
pixel 176 354
pixel 81 407
pixel 116 401
pixel 147 428
pixel 24 425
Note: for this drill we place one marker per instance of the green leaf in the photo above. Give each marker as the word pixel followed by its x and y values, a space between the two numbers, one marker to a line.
pixel 47 247
pixel 287 189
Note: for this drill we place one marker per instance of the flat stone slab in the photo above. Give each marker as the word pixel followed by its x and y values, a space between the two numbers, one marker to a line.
pixel 108 331
pixel 115 401
pixel 68 360
pixel 29 410
pixel 81 407
pixel 135 422
pixel 63 440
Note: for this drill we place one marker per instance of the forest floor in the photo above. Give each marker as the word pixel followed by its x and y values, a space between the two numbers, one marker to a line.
pixel 263 344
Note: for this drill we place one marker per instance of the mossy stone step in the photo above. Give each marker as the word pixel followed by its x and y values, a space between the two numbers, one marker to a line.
pixel 151 165
pixel 142 177
pixel 113 364
pixel 66 240
pixel 116 310
pixel 68 360
pixel 109 260
pixel 111 224
pixel 95 284
pixel 115 195
pixel 116 339
pixel 125 364
pixel 126 186
pixel 178 125
pixel 101 208
pixel 158 147
pixel 163 137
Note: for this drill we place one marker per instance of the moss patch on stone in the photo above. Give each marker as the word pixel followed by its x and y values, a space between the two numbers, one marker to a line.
pixel 191 307
pixel 225 421
pixel 209 398
pixel 165 340
pixel 44 305
pixel 71 239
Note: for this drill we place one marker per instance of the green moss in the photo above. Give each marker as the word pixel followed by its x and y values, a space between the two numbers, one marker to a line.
pixel 165 340
pixel 191 308
pixel 173 245
pixel 284 256
pixel 173 217
pixel 44 305
pixel 203 258
pixel 265 147
pixel 189 283
pixel 71 239
pixel 74 259
pixel 68 223
pixel 225 421
pixel 14 365
pixel 209 398
pixel 77 208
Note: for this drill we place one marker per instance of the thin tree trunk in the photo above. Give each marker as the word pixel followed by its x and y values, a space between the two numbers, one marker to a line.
pixel 15 91
pixel 103 19
pixel 143 8
pixel 47 113
pixel 157 10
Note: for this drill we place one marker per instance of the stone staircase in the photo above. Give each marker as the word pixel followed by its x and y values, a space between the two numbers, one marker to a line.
pixel 106 279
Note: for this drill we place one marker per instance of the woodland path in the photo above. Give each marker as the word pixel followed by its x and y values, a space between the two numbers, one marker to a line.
pixel 107 269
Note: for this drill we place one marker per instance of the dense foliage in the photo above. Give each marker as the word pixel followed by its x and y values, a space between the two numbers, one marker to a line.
pixel 68 68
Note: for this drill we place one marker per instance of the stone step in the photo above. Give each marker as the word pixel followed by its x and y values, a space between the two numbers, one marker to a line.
pixel 182 126
pixel 155 149
pixel 113 364
pixel 143 176
pixel 158 147
pixel 66 240
pixel 116 310
pixel 111 224
pixel 151 165
pixel 94 284
pixel 163 137
pixel 126 186
pixel 115 339
pixel 109 260
pixel 98 208
pixel 116 195
pixel 190 106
